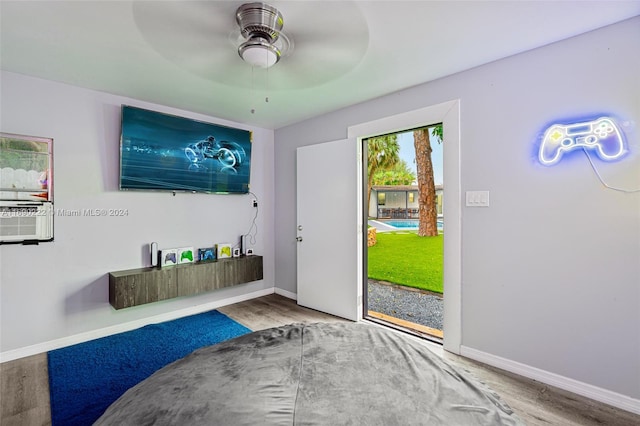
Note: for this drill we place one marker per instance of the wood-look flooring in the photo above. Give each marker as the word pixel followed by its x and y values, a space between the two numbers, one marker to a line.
pixel 24 389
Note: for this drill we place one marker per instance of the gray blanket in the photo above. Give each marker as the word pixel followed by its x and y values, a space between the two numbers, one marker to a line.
pixel 319 374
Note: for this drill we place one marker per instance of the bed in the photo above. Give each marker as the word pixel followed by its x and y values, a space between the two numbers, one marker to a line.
pixel 313 374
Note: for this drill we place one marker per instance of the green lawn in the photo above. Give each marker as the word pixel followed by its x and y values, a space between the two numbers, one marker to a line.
pixel 406 259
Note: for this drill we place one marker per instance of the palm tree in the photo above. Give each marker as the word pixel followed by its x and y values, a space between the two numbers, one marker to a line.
pixel 382 154
pixel 400 174
pixel 427 211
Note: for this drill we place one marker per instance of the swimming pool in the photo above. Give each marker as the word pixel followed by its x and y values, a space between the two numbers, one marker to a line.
pixel 408 224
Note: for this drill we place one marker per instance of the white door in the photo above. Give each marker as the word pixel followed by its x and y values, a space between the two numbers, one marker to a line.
pixel 329 252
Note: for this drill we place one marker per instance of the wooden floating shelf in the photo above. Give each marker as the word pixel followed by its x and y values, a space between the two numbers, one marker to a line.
pixel 139 286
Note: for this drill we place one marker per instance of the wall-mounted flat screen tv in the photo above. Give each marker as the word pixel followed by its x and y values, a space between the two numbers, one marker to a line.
pixel 165 152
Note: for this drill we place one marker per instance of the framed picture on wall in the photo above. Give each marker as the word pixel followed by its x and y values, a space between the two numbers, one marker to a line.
pixel 26 164
pixel 185 255
pixel 208 253
pixel 169 257
pixel 224 250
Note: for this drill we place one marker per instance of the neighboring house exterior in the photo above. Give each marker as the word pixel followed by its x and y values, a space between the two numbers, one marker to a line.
pixel 398 201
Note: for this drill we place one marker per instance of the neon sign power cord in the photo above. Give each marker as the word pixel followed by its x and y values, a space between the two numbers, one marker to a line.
pixel 593 166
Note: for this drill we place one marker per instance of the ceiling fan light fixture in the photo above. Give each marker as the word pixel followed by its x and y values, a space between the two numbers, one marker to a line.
pixel 259 53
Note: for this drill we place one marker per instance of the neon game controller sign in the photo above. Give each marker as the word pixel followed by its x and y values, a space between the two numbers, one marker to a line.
pixel 601 136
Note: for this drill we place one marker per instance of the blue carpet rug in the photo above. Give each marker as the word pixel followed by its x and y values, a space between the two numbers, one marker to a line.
pixel 85 379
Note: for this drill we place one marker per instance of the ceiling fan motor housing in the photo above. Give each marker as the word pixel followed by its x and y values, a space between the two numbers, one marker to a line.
pixel 259 20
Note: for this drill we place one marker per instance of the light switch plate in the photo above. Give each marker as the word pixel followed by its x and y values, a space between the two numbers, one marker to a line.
pixel 477 198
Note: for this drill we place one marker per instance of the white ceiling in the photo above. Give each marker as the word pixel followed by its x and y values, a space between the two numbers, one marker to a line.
pixel 179 53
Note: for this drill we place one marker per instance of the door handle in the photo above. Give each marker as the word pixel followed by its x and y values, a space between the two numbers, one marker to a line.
pixel 298 239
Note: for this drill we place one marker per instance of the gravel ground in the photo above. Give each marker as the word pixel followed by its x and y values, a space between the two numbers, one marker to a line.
pixel 414 306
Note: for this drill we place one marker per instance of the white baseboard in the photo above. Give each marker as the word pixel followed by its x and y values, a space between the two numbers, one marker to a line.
pixel 286 293
pixel 120 328
pixel 580 388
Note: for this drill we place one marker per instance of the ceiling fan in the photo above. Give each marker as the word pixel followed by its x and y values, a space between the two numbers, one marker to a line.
pixel 261 26
pixel 229 42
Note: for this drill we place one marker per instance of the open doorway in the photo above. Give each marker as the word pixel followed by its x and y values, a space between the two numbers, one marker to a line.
pixel 403 204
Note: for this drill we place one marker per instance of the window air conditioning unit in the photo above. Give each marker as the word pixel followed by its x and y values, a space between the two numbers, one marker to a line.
pixel 26 222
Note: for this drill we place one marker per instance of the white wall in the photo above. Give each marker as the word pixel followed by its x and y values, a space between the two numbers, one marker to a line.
pixel 60 289
pixel 551 270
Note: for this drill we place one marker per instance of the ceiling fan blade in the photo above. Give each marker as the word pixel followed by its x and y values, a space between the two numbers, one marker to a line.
pixel 203 37
pixel 193 35
pixel 176 17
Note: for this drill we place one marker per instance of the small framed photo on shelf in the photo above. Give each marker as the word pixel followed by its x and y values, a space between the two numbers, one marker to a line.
pixel 224 250
pixel 185 255
pixel 208 253
pixel 168 257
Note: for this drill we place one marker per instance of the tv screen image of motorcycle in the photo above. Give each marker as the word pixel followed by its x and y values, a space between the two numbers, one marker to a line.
pixel 169 153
